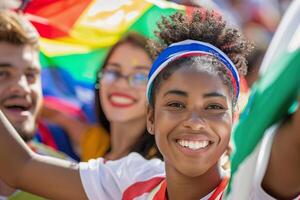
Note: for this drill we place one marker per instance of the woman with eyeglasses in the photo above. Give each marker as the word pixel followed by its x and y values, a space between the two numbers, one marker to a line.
pixel 120 103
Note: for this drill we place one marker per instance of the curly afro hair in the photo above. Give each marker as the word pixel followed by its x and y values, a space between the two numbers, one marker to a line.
pixel 206 26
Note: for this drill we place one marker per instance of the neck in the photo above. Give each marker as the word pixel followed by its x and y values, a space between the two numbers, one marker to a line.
pixel 124 136
pixel 295 125
pixel 180 186
pixel 292 126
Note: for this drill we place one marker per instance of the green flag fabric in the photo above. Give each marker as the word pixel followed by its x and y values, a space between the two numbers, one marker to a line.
pixel 272 97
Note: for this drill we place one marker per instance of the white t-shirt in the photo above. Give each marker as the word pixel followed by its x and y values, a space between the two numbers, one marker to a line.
pixel 109 180
pixel 131 177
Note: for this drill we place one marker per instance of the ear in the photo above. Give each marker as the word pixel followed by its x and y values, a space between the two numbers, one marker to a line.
pixel 150 119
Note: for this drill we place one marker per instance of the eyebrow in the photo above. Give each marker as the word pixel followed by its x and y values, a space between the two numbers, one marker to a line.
pixel 32 68
pixel 176 92
pixel 213 94
pixel 184 94
pixel 139 67
pixel 5 65
pixel 113 64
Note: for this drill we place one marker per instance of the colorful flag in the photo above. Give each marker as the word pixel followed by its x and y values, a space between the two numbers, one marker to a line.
pixel 272 97
pixel 75 38
pixel 76 35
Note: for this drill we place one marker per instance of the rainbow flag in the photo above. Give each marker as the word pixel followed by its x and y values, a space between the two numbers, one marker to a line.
pixel 273 96
pixel 76 35
pixel 75 38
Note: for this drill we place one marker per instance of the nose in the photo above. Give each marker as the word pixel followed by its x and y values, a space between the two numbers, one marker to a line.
pixel 194 122
pixel 122 82
pixel 20 86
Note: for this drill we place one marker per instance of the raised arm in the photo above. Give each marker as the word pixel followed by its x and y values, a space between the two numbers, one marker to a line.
pixel 282 178
pixel 23 169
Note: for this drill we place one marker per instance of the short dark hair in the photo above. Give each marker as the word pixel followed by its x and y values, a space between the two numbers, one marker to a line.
pixel 206 26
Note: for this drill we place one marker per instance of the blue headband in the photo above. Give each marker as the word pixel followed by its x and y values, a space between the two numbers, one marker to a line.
pixel 187 47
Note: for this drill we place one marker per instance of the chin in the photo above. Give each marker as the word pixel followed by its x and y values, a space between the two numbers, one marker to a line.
pixel 192 172
pixel 124 116
pixel 117 117
pixel 194 169
pixel 122 119
pixel 26 131
pixel 27 136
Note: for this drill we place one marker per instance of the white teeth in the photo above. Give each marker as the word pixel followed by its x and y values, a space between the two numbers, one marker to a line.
pixel 194 145
pixel 121 100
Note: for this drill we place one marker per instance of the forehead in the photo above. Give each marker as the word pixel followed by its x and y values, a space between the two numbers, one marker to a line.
pixel 195 82
pixel 19 55
pixel 128 55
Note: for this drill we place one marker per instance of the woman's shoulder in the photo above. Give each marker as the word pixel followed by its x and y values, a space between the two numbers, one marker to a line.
pixel 110 178
pixel 132 162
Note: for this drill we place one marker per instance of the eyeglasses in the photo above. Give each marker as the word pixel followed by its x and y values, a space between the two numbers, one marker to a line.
pixel 135 80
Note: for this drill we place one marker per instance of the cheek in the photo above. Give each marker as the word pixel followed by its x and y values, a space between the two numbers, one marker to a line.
pixel 5 88
pixel 2 89
pixel 103 88
pixel 222 127
pixel 163 127
pixel 103 93
pixel 142 96
pixel 36 93
pixel 103 98
pixel 164 124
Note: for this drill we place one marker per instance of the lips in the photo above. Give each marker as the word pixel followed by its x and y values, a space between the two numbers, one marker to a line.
pixel 121 100
pixel 17 110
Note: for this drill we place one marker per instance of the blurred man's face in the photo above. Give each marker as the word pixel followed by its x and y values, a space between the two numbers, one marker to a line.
pixel 20 86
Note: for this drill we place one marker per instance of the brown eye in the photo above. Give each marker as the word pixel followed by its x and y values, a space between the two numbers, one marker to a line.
pixel 4 74
pixel 177 105
pixel 215 107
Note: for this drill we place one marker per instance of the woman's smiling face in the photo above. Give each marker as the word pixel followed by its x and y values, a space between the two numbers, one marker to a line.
pixel 191 120
pixel 120 99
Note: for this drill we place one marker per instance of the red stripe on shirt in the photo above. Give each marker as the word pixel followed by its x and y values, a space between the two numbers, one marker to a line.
pixel 220 189
pixel 141 188
pixel 161 194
